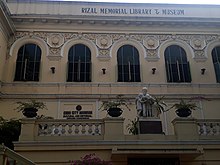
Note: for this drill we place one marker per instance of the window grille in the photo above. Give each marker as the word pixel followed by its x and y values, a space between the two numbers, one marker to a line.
pixel 28 63
pixel 177 66
pixel 79 64
pixel 128 64
pixel 216 62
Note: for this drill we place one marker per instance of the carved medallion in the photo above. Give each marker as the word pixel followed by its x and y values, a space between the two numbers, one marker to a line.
pixel 55 40
pixel 197 43
pixel 151 42
pixel 104 42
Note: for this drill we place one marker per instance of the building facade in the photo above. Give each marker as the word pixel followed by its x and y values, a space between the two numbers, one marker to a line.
pixel 77 54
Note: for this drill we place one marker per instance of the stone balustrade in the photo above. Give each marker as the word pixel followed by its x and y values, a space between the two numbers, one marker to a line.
pixel 209 127
pixel 112 129
pixel 69 128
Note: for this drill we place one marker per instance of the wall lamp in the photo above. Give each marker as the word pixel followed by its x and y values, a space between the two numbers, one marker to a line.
pixel 103 70
pixel 153 70
pixel 53 69
pixel 203 71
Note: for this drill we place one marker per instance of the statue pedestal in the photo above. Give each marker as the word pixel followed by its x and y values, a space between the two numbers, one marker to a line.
pixel 150 126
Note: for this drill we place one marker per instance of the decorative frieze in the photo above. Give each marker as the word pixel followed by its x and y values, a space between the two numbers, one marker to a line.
pixel 68 36
pixel 104 42
pixel 138 37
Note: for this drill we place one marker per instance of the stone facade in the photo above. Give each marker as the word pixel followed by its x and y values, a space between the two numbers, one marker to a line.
pixel 104 28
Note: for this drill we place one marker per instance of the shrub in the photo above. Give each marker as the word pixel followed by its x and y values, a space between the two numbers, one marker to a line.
pixel 9 131
pixel 90 159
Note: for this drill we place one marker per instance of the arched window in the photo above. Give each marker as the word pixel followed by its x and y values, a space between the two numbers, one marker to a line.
pixel 79 64
pixel 128 64
pixel 216 62
pixel 28 63
pixel 177 66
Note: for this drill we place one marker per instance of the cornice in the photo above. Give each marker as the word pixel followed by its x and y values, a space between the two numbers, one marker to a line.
pixel 114 3
pixel 45 20
pixel 6 23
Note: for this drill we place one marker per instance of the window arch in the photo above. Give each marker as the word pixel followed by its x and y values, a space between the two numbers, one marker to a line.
pixel 28 63
pixel 79 64
pixel 177 66
pixel 128 64
pixel 216 62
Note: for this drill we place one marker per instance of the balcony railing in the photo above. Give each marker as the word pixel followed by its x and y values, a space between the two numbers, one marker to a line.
pixel 9 157
pixel 69 128
pixel 208 128
pixel 111 129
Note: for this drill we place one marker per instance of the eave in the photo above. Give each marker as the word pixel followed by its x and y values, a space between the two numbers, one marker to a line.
pixel 91 22
pixel 6 23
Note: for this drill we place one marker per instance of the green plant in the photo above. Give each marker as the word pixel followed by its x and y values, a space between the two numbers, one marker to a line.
pixel 30 104
pixel 9 131
pixel 185 105
pixel 133 127
pixel 160 104
pixel 119 102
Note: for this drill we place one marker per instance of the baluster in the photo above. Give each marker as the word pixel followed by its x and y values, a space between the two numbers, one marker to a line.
pixel 214 128
pixel 217 128
pixel 56 129
pixel 208 128
pixel 83 128
pixel 201 130
pixel 70 130
pixel 49 129
pixel 63 129
pixel 90 128
pixel 76 128
pixel 97 129
pixel 40 129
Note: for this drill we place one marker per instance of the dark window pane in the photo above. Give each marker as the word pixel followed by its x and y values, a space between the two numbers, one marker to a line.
pixel 177 67
pixel 216 62
pixel 79 64
pixel 28 63
pixel 128 64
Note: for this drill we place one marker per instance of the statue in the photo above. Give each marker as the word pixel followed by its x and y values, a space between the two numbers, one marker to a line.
pixel 144 104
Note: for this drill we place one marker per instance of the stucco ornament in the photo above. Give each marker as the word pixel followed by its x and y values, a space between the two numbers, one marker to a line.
pixel 104 42
pixel 104 54
pixel 55 40
pixel 152 55
pixel 151 42
pixel 197 43
pixel 200 55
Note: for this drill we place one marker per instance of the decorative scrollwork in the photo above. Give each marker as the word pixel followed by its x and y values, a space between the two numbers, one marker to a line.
pixel 104 42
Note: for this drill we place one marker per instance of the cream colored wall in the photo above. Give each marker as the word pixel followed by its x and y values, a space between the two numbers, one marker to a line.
pixel 209 155
pixel 105 85
pixel 110 65
pixel 56 92
pixel 3 50
pixel 60 95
